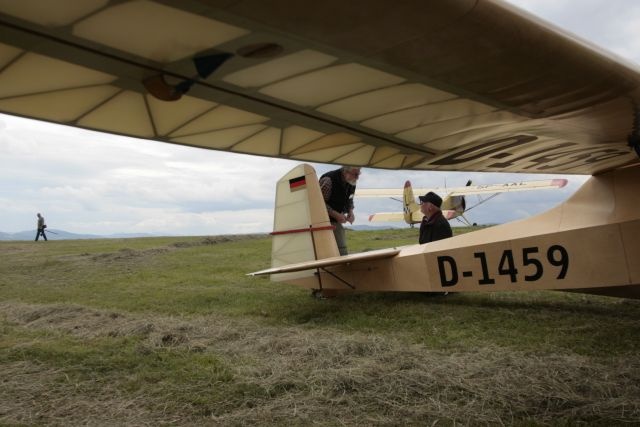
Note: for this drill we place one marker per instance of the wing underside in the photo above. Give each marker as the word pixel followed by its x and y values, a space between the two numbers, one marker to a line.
pixel 507 187
pixel 317 81
pixel 547 184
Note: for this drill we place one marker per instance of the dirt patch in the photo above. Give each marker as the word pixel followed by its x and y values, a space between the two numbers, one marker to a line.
pixel 215 240
pixel 14 249
pixel 126 254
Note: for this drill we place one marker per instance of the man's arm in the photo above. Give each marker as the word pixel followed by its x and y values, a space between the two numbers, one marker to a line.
pixel 350 216
pixel 325 188
pixel 442 230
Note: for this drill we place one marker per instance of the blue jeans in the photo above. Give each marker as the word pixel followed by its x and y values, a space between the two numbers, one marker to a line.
pixel 39 232
pixel 341 238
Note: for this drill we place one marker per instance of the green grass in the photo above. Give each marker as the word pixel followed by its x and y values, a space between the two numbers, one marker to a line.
pixel 171 330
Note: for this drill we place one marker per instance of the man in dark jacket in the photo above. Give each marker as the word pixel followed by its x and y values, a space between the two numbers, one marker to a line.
pixel 337 188
pixel 434 225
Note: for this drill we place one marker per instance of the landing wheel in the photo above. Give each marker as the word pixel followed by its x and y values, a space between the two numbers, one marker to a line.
pixel 325 293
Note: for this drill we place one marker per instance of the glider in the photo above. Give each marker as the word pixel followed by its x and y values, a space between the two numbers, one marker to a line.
pixel 469 85
pixel 581 245
pixel 454 203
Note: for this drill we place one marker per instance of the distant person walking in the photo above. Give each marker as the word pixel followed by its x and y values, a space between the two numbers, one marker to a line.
pixel 434 225
pixel 41 227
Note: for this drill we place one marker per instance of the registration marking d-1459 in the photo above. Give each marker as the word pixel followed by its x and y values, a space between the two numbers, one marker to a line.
pixel 529 266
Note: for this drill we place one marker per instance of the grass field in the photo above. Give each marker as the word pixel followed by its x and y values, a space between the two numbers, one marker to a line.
pixel 170 331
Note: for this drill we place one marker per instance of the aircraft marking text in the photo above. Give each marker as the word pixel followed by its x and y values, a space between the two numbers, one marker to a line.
pixel 530 266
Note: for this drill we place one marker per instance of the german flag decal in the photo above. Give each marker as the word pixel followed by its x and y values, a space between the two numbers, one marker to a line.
pixel 298 183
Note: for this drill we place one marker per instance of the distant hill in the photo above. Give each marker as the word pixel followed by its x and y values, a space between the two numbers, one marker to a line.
pixel 55 234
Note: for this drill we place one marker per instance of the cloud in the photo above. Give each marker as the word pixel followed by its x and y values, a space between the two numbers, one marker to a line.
pixel 85 181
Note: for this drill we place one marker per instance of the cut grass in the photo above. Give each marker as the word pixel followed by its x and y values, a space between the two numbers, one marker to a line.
pixel 171 331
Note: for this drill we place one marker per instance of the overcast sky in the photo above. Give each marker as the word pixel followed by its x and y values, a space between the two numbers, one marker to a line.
pixel 88 182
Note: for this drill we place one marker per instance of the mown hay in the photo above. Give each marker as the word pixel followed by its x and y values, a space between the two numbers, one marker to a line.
pixel 298 375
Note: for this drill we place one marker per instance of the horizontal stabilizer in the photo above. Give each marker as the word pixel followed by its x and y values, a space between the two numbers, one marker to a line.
pixel 395 217
pixel 386 217
pixel 327 262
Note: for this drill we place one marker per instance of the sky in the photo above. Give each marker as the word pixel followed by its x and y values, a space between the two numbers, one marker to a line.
pixel 90 182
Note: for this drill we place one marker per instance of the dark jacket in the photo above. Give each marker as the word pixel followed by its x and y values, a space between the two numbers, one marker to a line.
pixel 341 199
pixel 435 228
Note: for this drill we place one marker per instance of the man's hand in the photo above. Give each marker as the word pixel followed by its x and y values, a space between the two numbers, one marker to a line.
pixel 341 218
pixel 350 217
pixel 338 216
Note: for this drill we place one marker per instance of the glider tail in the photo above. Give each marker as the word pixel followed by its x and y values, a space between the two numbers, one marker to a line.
pixel 301 227
pixel 412 213
pixel 455 206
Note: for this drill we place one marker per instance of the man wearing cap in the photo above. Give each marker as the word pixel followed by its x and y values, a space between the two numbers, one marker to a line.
pixel 434 225
pixel 337 188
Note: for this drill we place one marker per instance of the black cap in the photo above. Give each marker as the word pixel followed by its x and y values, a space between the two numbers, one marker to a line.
pixel 431 197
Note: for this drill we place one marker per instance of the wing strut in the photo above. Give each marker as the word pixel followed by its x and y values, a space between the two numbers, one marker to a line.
pixel 334 276
pixel 315 253
pixel 634 137
pixel 315 256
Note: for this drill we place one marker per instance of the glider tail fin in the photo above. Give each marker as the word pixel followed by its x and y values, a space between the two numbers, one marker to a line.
pixel 455 206
pixel 411 209
pixel 301 227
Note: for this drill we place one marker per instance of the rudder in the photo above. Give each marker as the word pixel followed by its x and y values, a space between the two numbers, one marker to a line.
pixel 301 227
